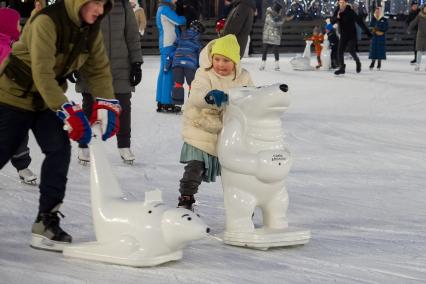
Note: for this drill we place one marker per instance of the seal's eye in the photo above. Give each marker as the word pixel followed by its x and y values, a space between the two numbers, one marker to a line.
pixel 189 218
pixel 150 211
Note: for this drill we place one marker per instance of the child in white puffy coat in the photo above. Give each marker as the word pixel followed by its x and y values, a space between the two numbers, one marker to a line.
pixel 219 71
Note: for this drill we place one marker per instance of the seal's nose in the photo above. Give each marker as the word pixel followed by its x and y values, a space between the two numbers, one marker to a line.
pixel 208 230
pixel 284 88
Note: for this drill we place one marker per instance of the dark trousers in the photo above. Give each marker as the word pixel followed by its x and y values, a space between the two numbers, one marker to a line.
pixel 124 134
pixel 181 74
pixel 334 57
pixel 192 178
pixel 21 160
pixel 274 50
pixel 347 45
pixel 53 141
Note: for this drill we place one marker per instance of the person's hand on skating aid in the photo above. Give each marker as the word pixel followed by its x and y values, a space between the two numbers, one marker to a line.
pixel 135 73
pixel 107 112
pixel 76 122
pixel 216 97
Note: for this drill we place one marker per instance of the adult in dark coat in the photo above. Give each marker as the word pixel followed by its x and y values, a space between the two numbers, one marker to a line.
pixel 346 18
pixel 379 27
pixel 239 21
pixel 190 9
pixel 414 11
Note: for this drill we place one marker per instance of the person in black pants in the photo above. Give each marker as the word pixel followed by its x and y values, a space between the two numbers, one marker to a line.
pixel 346 18
pixel 414 11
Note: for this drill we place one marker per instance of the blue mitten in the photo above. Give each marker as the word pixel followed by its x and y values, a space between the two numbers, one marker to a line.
pixel 216 97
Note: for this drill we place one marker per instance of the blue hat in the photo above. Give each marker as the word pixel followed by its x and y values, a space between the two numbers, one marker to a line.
pixel 329 27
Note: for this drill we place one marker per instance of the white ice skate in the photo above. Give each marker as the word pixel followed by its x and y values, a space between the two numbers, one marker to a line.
pixel 27 176
pixel 127 155
pixel 130 232
pixel 83 156
pixel 255 164
pixel 303 62
pixel 262 65
pixel 277 66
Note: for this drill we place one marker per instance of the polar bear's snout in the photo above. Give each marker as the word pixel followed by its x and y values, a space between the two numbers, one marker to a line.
pixel 284 88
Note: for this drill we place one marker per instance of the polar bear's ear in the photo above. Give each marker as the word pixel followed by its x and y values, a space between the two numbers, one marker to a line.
pixel 153 196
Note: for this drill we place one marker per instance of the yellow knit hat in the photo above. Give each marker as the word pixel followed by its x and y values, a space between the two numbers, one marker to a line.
pixel 227 46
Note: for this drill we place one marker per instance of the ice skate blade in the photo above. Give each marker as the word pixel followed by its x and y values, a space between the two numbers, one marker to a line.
pixel 43 243
pixel 267 238
pixel 128 162
pixel 32 182
pixel 118 253
pixel 83 162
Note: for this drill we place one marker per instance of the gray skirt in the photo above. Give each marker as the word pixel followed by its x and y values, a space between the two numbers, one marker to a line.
pixel 211 163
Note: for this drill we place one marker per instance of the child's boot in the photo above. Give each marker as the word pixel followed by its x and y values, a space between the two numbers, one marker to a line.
pixel 178 94
pixel 186 202
pixel 372 64
pixel 379 65
pixel 262 65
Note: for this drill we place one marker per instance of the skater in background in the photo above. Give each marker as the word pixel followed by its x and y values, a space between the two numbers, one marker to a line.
pixel 122 42
pixel 32 87
pixel 346 18
pixel 420 23
pixel 185 61
pixel 414 11
pixel 317 38
pixel 140 16
pixel 168 23
pixel 219 71
pixel 272 31
pixel 379 27
pixel 239 21
pixel 333 39
pixel 190 9
pixel 9 33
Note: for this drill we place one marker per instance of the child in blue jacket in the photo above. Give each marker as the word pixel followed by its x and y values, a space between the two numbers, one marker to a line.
pixel 185 60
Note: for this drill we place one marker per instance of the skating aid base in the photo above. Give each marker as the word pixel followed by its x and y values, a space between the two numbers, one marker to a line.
pixel 267 238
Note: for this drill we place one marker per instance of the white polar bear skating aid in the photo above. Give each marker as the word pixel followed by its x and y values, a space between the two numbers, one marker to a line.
pixel 303 62
pixel 325 54
pixel 128 232
pixel 255 164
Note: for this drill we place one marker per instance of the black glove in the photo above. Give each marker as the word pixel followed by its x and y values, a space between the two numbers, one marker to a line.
pixel 73 77
pixel 135 73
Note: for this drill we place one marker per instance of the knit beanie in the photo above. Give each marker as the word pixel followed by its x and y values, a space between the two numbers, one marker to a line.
pixel 9 23
pixel 227 46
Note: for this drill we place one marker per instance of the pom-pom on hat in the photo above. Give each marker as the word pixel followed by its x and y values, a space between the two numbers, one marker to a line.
pixel 227 46
pixel 9 23
pixel 329 27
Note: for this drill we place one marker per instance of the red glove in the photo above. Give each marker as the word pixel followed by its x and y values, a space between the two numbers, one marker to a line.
pixel 107 112
pixel 76 122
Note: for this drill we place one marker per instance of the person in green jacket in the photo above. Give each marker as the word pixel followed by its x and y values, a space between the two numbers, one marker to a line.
pixel 58 40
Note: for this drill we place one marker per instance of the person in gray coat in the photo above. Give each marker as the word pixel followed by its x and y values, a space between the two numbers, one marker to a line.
pixel 272 30
pixel 420 22
pixel 240 21
pixel 122 43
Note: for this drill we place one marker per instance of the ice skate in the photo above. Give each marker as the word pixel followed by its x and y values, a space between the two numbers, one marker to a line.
pixel 46 232
pixel 413 62
pixel 186 202
pixel 358 66
pixel 83 156
pixel 277 66
pixel 340 71
pixel 372 66
pixel 262 65
pixel 27 176
pixel 127 155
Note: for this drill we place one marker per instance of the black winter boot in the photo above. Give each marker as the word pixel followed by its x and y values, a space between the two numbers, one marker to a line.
pixel 379 64
pixel 186 201
pixel 341 70
pixel 46 232
pixel 358 66
pixel 372 64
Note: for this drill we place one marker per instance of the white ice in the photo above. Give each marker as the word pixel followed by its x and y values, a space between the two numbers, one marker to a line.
pixel 358 182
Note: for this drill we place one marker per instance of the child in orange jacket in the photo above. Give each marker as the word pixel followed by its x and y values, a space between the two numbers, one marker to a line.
pixel 317 38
